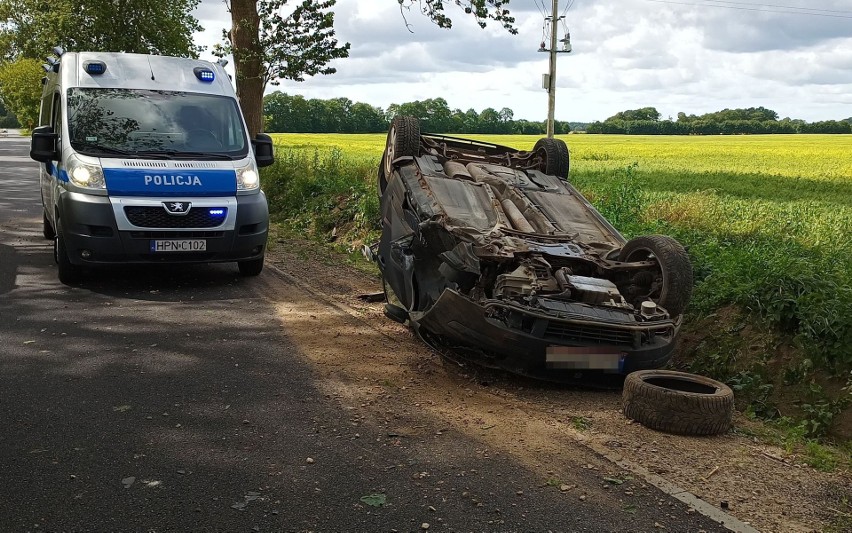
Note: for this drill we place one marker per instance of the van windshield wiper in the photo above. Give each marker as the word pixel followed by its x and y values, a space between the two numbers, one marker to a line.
pixel 98 148
pixel 172 154
pixel 205 155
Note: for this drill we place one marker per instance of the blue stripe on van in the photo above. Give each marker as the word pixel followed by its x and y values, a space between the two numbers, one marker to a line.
pixel 55 171
pixel 160 182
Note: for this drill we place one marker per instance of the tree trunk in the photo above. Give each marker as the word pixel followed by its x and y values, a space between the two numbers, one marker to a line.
pixel 248 62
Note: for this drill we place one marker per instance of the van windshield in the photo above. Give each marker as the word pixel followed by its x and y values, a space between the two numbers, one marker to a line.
pixel 144 123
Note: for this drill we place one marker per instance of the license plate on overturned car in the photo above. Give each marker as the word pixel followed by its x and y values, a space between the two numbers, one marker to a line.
pixel 583 358
pixel 179 245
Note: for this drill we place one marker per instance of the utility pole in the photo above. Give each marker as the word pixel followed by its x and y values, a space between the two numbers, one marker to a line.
pixel 550 78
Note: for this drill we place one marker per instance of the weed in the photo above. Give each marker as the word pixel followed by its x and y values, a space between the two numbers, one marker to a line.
pixel 620 198
pixel 581 423
pixel 820 457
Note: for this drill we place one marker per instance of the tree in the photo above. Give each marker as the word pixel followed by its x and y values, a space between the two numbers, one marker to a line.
pixel 481 10
pixel 489 121
pixel 646 113
pixel 30 28
pixel 21 82
pixel 269 46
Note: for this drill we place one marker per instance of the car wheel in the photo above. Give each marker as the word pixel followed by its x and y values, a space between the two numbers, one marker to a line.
pixel 403 140
pixel 46 228
pixel 69 273
pixel 677 402
pixel 554 155
pixel 252 267
pixel 671 288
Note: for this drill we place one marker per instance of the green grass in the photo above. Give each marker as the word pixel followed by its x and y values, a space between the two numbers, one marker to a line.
pixel 767 221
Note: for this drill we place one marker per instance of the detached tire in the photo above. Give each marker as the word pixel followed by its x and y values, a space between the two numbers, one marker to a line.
pixel 677 402
pixel 403 140
pixel 674 287
pixel 555 157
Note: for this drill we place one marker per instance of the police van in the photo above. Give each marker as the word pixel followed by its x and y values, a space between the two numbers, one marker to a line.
pixel 147 159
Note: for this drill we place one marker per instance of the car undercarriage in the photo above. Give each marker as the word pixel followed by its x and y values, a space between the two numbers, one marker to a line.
pixel 492 249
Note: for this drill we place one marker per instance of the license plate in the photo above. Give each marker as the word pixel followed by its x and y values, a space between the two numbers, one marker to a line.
pixel 583 358
pixel 184 245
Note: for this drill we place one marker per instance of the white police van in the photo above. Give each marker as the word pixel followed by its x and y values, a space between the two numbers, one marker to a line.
pixel 146 159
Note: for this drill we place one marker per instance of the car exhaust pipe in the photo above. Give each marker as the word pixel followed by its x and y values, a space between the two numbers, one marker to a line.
pixel 516 217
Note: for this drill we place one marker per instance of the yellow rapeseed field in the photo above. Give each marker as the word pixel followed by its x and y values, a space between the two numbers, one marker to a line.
pixel 795 186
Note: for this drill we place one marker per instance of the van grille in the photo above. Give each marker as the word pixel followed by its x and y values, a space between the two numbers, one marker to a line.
pixel 158 217
pixel 177 235
pixel 168 164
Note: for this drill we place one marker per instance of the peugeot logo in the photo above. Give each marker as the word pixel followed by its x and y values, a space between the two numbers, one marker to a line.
pixel 177 208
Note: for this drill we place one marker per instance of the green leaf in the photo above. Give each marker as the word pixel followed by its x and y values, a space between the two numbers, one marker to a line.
pixel 374 500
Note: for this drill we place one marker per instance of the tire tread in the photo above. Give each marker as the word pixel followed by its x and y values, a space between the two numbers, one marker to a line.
pixel 674 411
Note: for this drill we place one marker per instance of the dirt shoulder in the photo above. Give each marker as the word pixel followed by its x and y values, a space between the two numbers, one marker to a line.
pixel 376 365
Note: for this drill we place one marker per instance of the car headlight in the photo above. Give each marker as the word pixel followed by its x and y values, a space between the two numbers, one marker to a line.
pixel 248 178
pixel 85 174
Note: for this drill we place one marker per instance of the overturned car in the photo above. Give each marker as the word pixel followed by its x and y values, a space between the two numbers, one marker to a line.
pixel 492 250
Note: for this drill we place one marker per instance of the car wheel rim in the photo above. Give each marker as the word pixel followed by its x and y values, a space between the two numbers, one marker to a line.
pixel 389 151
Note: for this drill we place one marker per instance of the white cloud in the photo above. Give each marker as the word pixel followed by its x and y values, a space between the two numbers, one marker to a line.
pixel 627 54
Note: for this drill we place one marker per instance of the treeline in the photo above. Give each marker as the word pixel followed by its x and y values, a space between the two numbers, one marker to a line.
pixel 284 113
pixel 753 120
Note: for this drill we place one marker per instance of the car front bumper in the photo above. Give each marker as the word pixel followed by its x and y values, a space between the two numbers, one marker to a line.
pixel 95 233
pixel 524 348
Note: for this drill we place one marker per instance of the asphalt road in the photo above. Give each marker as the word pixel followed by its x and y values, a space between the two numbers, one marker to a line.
pixel 170 398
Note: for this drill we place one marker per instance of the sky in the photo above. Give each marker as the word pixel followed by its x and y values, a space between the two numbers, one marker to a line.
pixel 694 56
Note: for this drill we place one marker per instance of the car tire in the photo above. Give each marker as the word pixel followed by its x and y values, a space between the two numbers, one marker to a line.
pixel 677 402
pixel 675 268
pixel 555 157
pixel 403 140
pixel 46 228
pixel 69 273
pixel 252 267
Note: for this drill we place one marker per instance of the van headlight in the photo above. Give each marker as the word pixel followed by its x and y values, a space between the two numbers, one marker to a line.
pixel 85 174
pixel 248 178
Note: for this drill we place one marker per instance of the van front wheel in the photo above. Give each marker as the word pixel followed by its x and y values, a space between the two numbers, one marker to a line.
pixel 252 267
pixel 69 273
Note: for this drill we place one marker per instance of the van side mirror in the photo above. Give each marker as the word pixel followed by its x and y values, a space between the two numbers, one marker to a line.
pixel 43 145
pixel 263 152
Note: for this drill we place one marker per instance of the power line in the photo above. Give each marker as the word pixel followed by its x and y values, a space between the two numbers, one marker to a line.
pixel 777 11
pixel 782 7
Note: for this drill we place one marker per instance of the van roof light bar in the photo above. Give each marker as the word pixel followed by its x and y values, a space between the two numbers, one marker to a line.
pixel 94 68
pixel 58 50
pixel 204 74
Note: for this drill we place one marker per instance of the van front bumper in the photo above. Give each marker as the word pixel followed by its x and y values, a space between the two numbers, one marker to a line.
pixel 93 235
